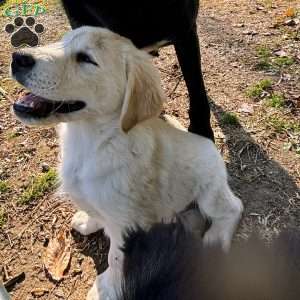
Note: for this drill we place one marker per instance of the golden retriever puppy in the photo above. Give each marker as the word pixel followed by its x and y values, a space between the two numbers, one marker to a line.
pixel 121 164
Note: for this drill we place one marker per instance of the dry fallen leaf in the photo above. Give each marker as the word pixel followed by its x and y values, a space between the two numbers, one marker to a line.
pixel 250 32
pixel 260 7
pixel 281 53
pixel 57 256
pixel 291 12
pixel 292 22
pixel 246 108
pixel 39 292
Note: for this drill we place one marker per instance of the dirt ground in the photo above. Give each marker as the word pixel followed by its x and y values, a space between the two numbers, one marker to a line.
pixel 257 131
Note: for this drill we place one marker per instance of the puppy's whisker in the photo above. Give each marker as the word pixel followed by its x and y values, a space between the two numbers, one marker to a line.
pixel 52 87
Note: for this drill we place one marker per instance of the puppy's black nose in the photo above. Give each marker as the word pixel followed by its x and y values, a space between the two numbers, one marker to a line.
pixel 21 62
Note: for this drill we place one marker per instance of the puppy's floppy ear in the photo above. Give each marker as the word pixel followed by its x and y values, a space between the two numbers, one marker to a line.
pixel 143 97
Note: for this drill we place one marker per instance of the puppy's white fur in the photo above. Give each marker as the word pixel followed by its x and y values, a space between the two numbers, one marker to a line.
pixel 121 164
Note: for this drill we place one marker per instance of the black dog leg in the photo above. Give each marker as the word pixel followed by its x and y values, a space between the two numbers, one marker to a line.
pixel 188 53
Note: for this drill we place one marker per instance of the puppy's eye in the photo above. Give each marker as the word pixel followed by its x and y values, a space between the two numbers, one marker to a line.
pixel 85 58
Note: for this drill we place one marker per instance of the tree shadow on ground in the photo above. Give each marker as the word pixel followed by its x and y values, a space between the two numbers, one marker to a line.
pixel 96 246
pixel 268 192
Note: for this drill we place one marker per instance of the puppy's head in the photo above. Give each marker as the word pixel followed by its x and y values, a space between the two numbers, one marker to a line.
pixel 91 73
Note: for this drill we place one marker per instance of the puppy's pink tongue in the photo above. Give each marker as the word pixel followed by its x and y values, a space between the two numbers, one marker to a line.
pixel 27 100
pixel 34 105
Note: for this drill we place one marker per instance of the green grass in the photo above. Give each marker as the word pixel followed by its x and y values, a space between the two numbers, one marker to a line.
pixel 39 186
pixel 281 125
pixel 13 135
pixel 267 3
pixel 3 187
pixel 228 118
pixel 292 146
pixel 264 58
pixel 275 100
pixel 257 89
pixel 282 62
pixel 3 218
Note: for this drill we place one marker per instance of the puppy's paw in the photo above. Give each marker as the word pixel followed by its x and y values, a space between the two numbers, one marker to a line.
pixel 85 224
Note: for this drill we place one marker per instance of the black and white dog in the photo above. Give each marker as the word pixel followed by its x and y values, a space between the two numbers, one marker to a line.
pixel 169 263
pixel 150 25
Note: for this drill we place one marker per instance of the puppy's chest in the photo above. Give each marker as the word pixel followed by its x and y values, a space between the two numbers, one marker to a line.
pixel 86 177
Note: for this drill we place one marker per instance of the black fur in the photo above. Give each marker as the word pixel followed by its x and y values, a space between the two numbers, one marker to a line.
pixel 169 263
pixel 149 22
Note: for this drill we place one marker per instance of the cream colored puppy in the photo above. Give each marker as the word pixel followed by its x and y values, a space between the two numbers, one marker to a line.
pixel 121 164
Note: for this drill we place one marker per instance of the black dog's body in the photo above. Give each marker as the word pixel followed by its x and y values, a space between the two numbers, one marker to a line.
pixel 169 263
pixel 148 23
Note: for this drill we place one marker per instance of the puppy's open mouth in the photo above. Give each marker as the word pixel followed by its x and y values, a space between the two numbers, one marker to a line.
pixel 34 106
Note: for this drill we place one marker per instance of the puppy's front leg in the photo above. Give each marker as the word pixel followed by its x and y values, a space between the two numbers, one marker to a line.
pixel 84 223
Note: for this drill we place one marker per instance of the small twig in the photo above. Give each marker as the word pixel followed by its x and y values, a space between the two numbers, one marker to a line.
pixel 11 258
pixel 52 290
pixel 5 272
pixel 31 242
pixel 34 219
pixel 11 282
pixel 26 227
pixel 5 95
pixel 176 86
pixel 280 79
pixel 165 71
pixel 72 289
pixel 9 240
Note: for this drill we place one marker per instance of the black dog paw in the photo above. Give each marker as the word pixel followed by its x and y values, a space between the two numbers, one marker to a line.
pixel 24 34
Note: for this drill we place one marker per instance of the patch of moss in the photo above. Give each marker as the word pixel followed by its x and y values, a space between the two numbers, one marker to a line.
pixel 284 61
pixel 3 187
pixel 281 125
pixel 264 58
pixel 257 89
pixel 268 3
pixel 13 135
pixel 39 186
pixel 275 100
pixel 3 218
pixel 228 118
